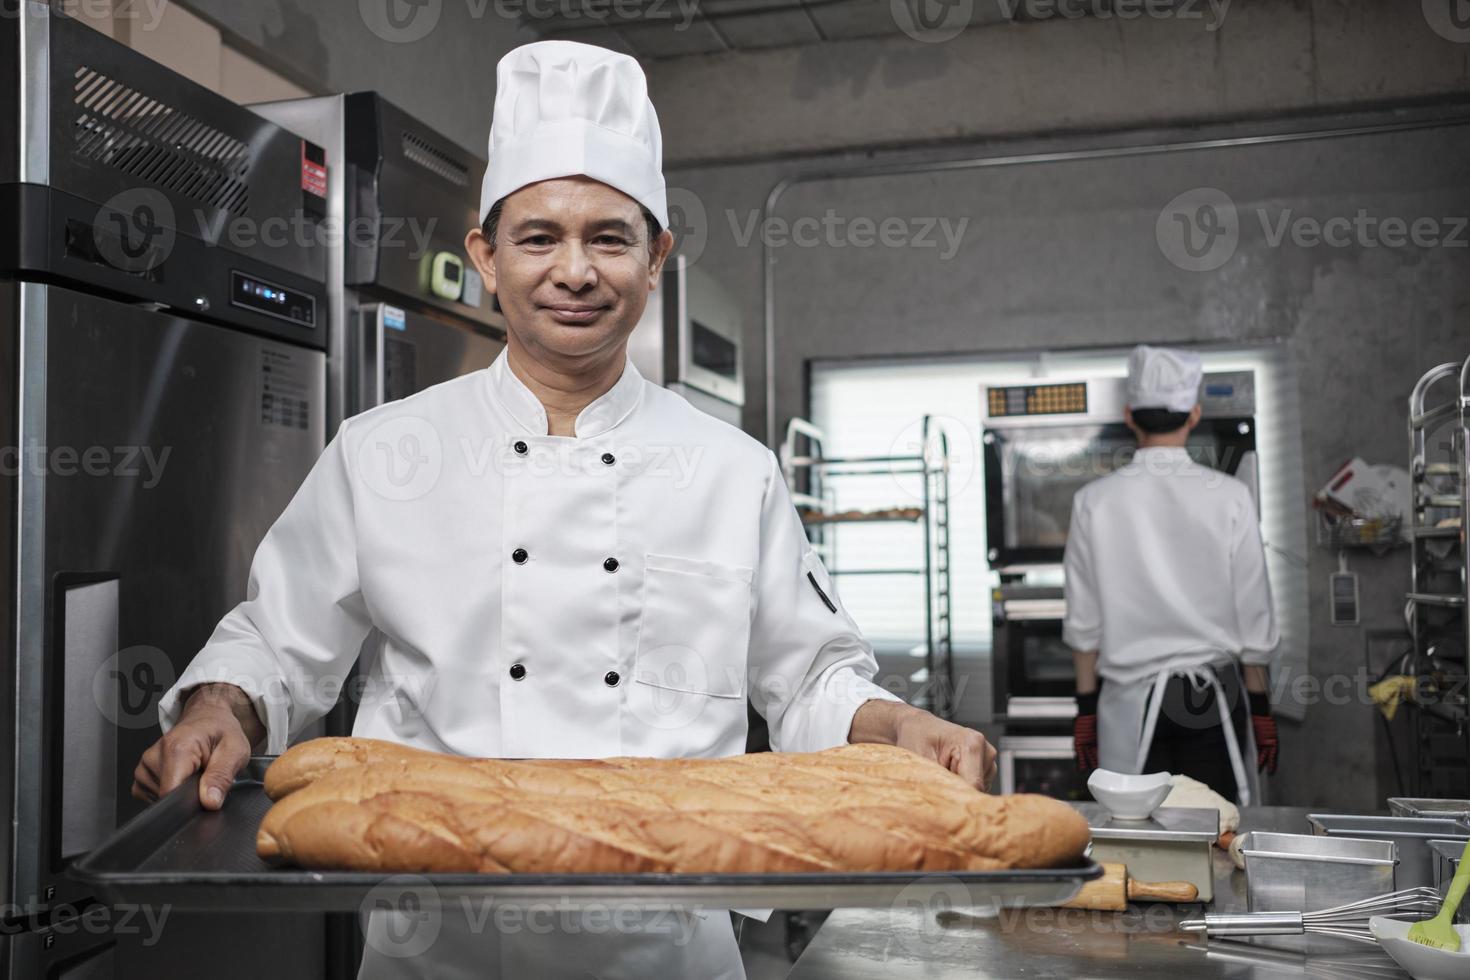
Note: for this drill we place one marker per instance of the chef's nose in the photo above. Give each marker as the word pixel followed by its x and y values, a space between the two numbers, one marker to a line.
pixel 574 268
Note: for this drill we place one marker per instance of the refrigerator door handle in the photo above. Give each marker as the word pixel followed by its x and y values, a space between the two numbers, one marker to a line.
pixel 94 696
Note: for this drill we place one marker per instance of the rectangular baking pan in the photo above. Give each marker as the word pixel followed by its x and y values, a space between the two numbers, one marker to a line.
pixel 179 854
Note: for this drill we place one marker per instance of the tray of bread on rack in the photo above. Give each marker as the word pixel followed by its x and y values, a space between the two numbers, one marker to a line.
pixel 333 821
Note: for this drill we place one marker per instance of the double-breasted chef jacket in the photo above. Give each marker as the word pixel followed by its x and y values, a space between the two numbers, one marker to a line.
pixel 522 595
pixel 620 592
pixel 1166 574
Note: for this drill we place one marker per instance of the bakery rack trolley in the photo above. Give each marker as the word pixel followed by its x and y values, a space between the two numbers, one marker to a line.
pixel 1438 612
pixel 811 476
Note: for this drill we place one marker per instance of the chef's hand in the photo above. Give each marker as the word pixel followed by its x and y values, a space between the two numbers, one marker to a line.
pixel 1263 726
pixel 963 751
pixel 214 735
pixel 1084 732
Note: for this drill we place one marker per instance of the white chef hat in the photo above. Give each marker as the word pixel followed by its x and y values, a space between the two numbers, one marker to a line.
pixel 1159 377
pixel 563 108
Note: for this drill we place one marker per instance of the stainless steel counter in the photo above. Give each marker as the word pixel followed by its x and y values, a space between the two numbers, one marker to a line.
pixel 946 939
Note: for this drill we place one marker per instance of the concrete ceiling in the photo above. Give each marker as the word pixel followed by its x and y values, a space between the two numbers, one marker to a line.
pixel 649 29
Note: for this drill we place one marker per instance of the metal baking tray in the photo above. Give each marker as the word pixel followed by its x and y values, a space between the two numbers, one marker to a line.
pixel 180 854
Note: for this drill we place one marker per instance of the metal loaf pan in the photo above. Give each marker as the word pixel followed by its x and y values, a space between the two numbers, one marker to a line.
pixel 1403 806
pixel 179 854
pixel 1446 857
pixel 1411 834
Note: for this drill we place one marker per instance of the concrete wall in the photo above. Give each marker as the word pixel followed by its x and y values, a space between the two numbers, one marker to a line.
pixel 438 64
pixel 1261 57
pixel 1065 255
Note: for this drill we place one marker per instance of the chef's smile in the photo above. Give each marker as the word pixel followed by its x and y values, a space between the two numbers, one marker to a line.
pixel 571 261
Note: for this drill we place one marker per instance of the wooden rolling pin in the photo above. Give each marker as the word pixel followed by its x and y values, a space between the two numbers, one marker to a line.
pixel 1114 890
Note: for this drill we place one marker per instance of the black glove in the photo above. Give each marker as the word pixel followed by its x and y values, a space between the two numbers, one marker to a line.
pixel 1084 732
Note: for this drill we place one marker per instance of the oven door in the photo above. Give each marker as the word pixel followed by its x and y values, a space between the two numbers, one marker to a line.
pixel 1039 679
pixel 1032 472
pixel 1041 764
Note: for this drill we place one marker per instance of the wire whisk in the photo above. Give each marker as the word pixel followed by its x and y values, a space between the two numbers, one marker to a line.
pixel 1344 921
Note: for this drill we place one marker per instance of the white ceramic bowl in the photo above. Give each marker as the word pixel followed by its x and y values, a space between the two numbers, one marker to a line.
pixel 1421 962
pixel 1129 797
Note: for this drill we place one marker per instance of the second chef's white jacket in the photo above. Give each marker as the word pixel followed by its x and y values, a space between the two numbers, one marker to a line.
pixel 620 592
pixel 1165 563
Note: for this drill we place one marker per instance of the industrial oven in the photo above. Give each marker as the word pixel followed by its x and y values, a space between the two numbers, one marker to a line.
pixel 1042 442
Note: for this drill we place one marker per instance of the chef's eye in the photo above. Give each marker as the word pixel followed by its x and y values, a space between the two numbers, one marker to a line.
pixel 536 240
pixel 611 241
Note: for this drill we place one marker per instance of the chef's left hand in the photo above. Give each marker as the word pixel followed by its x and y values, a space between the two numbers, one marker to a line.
pixel 963 751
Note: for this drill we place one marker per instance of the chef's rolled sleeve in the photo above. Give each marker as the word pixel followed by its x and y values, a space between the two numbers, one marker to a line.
pixel 810 667
pixel 1254 612
pixel 1082 628
pixel 290 644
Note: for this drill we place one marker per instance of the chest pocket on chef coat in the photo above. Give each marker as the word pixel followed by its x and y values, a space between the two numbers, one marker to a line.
pixel 695 628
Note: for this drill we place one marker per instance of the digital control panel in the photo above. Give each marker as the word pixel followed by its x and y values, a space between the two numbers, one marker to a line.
pixel 254 293
pixel 1062 399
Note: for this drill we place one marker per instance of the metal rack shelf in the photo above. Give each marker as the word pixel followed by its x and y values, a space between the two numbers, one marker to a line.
pixel 809 476
pixel 1439 591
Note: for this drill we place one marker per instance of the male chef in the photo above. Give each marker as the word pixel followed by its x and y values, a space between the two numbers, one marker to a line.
pixel 1167 599
pixel 554 557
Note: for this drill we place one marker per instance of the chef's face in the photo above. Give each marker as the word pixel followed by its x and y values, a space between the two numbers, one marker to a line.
pixel 572 267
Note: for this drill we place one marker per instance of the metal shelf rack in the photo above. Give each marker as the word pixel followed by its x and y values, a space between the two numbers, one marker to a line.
pixel 1438 611
pixel 809 475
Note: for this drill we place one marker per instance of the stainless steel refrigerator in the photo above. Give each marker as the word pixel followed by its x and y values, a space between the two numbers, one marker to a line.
pixel 166 397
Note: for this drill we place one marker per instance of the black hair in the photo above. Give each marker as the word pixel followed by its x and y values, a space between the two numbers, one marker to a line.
pixel 1157 421
pixel 492 223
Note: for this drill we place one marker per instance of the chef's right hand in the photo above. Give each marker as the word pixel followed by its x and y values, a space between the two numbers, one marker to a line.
pixel 1084 732
pixel 213 736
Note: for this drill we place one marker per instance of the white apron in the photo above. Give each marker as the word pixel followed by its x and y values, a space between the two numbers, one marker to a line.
pixel 1128 714
pixel 486 942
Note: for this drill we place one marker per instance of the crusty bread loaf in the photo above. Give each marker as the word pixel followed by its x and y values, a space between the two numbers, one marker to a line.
pixel 362 804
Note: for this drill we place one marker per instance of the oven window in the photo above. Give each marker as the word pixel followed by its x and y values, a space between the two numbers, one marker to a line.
pixel 1042 468
pixel 1045 663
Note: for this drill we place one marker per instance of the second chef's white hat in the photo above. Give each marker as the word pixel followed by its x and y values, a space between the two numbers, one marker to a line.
pixel 1159 377
pixel 563 108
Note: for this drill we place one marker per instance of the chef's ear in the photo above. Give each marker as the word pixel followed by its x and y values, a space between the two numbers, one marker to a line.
pixel 1194 416
pixel 658 253
pixel 482 254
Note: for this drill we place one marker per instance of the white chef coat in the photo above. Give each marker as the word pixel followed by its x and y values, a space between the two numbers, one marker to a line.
pixel 1164 563
pixel 620 592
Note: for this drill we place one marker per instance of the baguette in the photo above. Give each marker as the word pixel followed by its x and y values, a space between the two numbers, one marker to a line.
pixel 361 804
